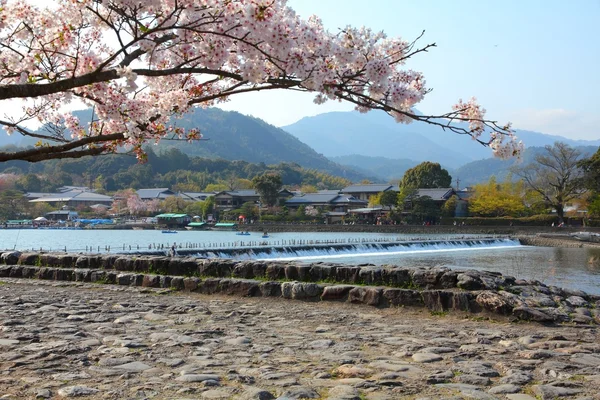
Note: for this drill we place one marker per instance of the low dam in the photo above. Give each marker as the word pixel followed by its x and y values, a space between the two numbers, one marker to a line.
pixel 289 249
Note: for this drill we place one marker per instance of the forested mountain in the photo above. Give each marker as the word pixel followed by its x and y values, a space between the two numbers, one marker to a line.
pixel 386 169
pixel 169 168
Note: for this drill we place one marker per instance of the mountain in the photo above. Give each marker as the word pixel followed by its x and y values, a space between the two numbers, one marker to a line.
pixel 376 134
pixel 234 136
pixel 482 170
pixel 384 168
pixel 345 133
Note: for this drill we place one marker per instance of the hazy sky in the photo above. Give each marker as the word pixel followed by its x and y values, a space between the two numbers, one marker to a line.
pixel 535 63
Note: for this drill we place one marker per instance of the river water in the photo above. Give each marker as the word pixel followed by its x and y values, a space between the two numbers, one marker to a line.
pixel 571 268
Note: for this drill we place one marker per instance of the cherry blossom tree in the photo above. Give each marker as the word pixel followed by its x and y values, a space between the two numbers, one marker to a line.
pixel 135 205
pixel 140 64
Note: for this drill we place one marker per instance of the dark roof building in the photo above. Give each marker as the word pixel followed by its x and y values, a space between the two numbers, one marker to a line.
pixel 195 196
pixel 440 194
pixel 74 198
pixel 339 202
pixel 155 193
pixel 363 192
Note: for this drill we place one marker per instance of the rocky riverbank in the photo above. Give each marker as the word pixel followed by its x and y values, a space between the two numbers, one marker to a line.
pixel 71 339
pixel 437 289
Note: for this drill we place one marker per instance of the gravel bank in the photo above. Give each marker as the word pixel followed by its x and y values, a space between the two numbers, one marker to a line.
pixel 66 339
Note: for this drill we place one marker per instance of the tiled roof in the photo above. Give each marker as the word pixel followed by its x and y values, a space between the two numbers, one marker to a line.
pixel 344 198
pixel 73 195
pixel 155 193
pixel 312 198
pixel 368 188
pixel 436 194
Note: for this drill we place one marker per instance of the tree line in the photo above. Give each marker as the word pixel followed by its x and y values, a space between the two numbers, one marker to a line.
pixel 558 177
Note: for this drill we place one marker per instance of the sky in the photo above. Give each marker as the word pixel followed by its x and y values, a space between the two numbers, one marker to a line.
pixel 535 63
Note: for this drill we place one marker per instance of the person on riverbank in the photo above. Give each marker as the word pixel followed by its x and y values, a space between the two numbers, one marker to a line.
pixel 173 251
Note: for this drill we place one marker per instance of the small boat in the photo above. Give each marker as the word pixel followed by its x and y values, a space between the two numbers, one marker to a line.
pixel 243 233
pixel 169 231
pixel 265 235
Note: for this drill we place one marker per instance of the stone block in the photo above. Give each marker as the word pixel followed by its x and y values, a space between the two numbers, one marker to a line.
pixel 124 279
pixel 396 277
pixel 259 270
pixel 437 300
pixel 97 276
pixel 306 291
pixel 346 274
pixel 291 272
pixel 275 272
pixel 494 302
pixel 47 273
pixel 426 278
pixel 531 314
pixel 365 295
pixel 63 274
pixel 108 261
pixel 29 259
pixel 151 281
pixel 270 289
pixel 123 264
pixel 239 287
pixel 191 284
pixel 16 271
pixel 319 273
pixel 30 272
pixel 243 270
pixel 81 274
pixel 403 297
pixel 470 281
pixel 5 271
pixel 165 281
pixel 336 292
pixel 177 283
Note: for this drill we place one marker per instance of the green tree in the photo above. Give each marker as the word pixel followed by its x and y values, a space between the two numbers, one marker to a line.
pixel 424 208
pixel 426 175
pixel 268 186
pixel 449 207
pixel 556 175
pixel 249 210
pixel 591 172
pixel 389 198
pixel 208 206
pixel 215 187
pixel 12 204
pixel 29 183
pixel 173 204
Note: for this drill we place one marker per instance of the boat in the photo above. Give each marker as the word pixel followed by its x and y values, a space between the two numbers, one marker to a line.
pixel 169 231
pixel 265 235
pixel 243 233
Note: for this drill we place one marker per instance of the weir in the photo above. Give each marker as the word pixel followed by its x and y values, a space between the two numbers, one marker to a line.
pixel 290 251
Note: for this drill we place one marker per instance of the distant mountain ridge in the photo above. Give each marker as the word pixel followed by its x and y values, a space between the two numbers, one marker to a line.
pixel 376 134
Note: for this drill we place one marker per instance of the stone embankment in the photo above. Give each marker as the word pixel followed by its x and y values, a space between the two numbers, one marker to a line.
pixel 555 240
pixel 62 340
pixel 437 289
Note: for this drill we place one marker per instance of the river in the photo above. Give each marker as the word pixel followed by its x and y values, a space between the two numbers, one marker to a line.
pixel 571 268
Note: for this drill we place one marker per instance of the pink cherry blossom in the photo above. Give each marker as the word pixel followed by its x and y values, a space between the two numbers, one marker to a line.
pixel 141 64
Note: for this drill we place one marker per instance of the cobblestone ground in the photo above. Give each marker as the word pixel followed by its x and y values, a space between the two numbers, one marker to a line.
pixel 62 340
